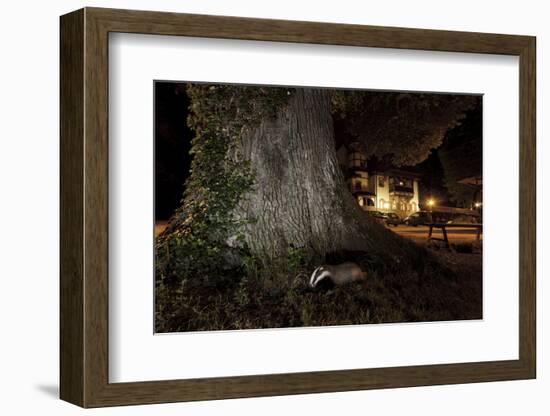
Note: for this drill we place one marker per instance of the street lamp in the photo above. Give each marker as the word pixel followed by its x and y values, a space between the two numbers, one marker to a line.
pixel 431 203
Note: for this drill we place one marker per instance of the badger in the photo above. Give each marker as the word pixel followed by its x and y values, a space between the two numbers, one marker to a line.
pixel 338 275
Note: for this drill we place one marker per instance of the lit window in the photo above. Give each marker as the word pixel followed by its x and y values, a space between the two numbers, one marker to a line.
pixel 358 160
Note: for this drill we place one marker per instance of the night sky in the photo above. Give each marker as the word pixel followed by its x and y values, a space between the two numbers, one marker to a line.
pixel 173 143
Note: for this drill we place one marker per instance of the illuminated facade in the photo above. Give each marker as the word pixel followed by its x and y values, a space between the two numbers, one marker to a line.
pixel 389 190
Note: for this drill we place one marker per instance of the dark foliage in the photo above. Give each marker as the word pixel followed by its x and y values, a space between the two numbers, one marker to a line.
pixel 406 126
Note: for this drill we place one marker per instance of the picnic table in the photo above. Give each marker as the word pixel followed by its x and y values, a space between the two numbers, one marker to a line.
pixel 443 227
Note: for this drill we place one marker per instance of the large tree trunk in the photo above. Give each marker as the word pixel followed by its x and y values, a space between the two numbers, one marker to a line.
pixel 299 197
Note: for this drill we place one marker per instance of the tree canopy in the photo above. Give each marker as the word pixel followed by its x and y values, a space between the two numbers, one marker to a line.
pixel 404 126
pixel 461 156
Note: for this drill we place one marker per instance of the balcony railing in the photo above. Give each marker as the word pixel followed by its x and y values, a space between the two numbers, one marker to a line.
pixel 398 189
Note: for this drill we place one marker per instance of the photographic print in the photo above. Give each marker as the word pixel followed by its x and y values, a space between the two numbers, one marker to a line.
pixel 283 206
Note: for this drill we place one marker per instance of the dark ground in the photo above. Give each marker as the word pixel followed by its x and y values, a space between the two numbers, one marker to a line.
pixel 286 300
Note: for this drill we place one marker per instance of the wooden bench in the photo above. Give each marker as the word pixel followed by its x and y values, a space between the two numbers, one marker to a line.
pixel 443 227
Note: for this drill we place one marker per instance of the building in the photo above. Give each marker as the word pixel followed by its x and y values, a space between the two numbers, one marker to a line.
pixel 386 190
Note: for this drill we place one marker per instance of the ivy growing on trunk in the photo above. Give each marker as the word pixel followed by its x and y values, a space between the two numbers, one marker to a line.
pixel 203 235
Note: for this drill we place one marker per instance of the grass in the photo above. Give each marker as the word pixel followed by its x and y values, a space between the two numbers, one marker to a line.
pixel 283 299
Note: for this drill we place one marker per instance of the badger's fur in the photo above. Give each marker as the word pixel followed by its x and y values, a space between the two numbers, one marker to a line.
pixel 338 275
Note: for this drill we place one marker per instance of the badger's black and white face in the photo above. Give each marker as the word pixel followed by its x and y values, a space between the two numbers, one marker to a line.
pixel 337 275
pixel 318 275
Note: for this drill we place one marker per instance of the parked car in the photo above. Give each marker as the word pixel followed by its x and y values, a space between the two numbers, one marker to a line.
pixel 393 219
pixel 418 218
pixel 380 216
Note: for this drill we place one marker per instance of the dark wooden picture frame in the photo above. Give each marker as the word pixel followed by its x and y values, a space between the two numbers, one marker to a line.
pixel 84 207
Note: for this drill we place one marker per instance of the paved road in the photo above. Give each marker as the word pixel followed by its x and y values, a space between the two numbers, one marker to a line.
pixel 420 233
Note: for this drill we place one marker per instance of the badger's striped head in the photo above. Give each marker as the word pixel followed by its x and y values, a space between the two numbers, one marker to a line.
pixel 318 274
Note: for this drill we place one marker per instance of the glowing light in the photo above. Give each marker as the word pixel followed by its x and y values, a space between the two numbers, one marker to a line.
pixel 478 204
pixel 431 202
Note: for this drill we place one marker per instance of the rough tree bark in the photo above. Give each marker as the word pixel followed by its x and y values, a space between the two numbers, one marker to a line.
pixel 299 197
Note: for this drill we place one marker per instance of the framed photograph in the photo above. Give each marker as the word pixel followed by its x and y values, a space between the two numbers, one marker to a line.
pixel 256 207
